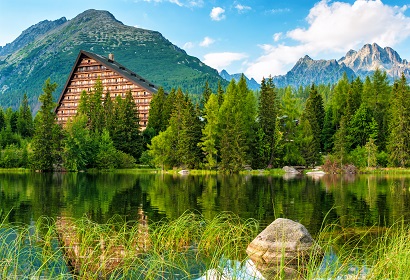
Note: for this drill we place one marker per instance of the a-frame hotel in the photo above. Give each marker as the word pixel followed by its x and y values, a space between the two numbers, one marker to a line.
pixel 115 78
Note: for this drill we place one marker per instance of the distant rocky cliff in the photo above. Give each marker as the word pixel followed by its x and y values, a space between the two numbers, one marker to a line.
pixel 360 63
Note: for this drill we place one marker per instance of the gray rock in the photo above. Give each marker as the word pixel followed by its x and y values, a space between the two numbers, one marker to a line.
pixel 290 169
pixel 285 247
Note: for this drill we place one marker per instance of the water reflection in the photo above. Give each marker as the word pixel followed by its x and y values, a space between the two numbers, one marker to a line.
pixel 347 200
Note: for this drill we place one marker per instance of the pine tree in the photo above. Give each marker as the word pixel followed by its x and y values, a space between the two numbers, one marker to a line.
pixel 45 144
pixel 109 114
pixel 237 120
pixel 205 95
pixel 339 98
pixel 126 134
pixel 107 154
pixel 329 130
pixel 341 143
pixel 309 144
pixel 190 136
pixel 210 134
pixel 2 119
pixel 96 110
pixel 156 117
pixel 168 108
pixel 378 104
pixel 314 112
pixel 362 127
pixel 398 141
pixel 289 120
pixel 220 93
pixel 268 112
pixel 25 119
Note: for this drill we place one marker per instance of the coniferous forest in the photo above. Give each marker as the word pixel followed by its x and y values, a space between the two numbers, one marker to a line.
pixel 351 124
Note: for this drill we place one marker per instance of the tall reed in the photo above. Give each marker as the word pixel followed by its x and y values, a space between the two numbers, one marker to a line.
pixel 185 248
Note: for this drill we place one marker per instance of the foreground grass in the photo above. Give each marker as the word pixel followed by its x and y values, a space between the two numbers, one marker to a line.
pixel 186 248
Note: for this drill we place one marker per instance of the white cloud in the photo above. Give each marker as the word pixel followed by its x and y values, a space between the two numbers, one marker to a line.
pixel 188 45
pixel 183 3
pixel 334 28
pixel 206 42
pixel 277 36
pixel 242 8
pixel 217 14
pixel 278 11
pixel 221 60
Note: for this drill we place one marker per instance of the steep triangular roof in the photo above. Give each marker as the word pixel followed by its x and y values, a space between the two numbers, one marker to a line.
pixel 112 65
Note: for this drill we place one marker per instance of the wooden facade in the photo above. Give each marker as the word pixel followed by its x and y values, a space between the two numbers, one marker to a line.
pixel 115 78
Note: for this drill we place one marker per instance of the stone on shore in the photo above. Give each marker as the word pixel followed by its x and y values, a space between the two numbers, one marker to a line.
pixel 284 248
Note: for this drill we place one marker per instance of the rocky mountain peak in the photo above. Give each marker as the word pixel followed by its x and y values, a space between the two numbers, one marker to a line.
pixel 371 57
pixel 31 34
pixel 95 16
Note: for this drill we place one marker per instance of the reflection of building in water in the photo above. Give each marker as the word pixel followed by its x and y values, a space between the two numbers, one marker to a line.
pixel 98 248
pixel 143 240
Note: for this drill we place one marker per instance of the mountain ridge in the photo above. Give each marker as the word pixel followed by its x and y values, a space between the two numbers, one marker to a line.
pixel 51 51
pixel 359 63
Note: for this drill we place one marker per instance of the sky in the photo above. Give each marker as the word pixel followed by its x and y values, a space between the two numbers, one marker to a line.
pixel 255 37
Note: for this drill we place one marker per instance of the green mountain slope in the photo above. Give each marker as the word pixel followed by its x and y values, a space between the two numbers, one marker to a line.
pixel 52 51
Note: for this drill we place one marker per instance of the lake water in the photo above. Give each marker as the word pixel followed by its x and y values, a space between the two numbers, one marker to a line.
pixel 348 200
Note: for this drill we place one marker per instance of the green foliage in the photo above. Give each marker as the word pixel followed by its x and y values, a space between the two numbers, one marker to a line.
pixel 47 134
pixel 160 149
pixel 25 125
pixel 126 129
pixel 78 144
pixel 362 127
pixel 106 156
pixel 237 119
pixel 158 117
pixel 398 144
pixel 210 134
pixel 267 116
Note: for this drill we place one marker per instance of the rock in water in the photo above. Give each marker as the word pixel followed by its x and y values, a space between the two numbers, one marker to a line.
pixel 283 248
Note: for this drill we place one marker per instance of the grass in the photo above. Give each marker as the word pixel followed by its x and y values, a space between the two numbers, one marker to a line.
pixel 185 248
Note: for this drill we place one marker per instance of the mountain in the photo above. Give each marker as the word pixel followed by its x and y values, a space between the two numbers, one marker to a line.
pixel 360 63
pixel 252 84
pixel 49 49
pixel 307 71
pixel 370 57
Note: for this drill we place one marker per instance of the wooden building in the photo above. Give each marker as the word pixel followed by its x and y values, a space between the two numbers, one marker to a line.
pixel 115 78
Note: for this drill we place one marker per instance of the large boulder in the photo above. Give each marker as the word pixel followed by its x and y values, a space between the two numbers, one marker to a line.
pixel 283 248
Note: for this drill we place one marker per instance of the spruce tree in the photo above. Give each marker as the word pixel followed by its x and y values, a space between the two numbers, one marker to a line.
pixel 220 93
pixel 398 142
pixel 268 112
pixel 205 95
pixel 45 144
pixel 210 134
pixel 289 121
pixel 329 130
pixel 190 136
pixel 25 119
pixel 362 127
pixel 126 133
pixel 157 113
pixel 236 119
pixel 96 110
pixel 314 112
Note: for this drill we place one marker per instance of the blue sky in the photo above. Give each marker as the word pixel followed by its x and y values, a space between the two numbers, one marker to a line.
pixel 259 38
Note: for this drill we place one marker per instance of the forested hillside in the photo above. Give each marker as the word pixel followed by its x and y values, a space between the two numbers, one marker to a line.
pixel 49 49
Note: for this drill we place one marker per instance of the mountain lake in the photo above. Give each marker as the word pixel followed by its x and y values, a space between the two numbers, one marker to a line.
pixel 353 202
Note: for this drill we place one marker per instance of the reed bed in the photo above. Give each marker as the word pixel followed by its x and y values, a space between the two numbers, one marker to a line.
pixel 185 248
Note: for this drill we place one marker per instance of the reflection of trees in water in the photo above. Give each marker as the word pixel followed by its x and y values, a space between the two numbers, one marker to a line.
pixel 362 200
